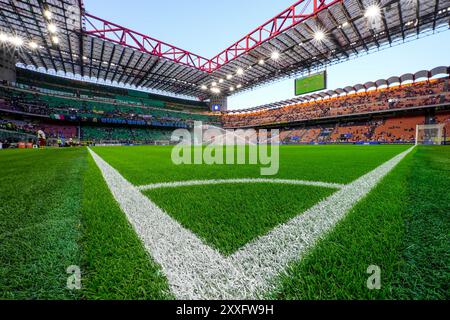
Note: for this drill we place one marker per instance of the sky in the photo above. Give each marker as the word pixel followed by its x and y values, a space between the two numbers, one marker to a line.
pixel 206 27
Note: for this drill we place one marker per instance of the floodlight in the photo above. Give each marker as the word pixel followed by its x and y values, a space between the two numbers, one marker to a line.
pixel 33 45
pixel 52 28
pixel 240 71
pixel 48 14
pixel 17 41
pixel 319 35
pixel 373 11
pixel 3 37
pixel 275 55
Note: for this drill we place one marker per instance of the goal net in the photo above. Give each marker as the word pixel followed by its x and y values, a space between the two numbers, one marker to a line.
pixel 430 134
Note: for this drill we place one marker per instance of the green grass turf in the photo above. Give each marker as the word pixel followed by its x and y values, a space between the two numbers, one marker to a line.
pixel 402 227
pixel 39 222
pixel 115 264
pixel 229 216
pixel 56 211
pixel 340 164
pixel 425 269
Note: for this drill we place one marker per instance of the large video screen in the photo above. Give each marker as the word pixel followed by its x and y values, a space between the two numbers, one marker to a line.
pixel 313 83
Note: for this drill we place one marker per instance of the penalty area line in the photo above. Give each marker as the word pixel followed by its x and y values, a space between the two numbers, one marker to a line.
pixel 239 181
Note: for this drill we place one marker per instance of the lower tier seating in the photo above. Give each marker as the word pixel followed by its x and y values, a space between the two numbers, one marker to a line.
pixel 385 130
pixel 390 130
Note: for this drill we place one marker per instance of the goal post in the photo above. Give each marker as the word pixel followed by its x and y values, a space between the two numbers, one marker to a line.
pixel 430 134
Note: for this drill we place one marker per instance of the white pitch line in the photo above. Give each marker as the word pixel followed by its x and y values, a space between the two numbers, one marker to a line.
pixel 239 181
pixel 196 271
pixel 271 253
pixel 180 253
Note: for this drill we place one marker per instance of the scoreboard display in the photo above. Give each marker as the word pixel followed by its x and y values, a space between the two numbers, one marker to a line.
pixel 312 83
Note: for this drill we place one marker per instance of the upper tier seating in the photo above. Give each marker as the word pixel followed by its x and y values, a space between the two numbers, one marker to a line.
pixel 89 90
pixel 36 102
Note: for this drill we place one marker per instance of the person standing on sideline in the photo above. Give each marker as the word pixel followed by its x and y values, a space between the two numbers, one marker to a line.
pixel 42 139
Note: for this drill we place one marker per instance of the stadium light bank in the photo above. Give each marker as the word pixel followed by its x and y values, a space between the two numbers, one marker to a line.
pixel 216 146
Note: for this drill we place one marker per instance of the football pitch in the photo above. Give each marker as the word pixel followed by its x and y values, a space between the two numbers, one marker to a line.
pixel 140 227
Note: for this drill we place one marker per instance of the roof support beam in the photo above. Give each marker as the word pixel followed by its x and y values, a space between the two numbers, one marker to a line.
pixel 128 63
pixel 400 17
pixel 119 64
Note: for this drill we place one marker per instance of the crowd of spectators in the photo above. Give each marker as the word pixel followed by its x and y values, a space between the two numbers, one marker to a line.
pixel 124 135
pixel 390 130
pixel 30 128
pixel 426 93
pixel 27 130
pixel 32 102
pixel 17 126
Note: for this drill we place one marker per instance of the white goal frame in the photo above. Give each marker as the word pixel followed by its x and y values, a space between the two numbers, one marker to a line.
pixel 435 134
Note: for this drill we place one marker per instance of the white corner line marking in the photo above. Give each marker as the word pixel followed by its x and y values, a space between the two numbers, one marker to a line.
pixel 194 270
pixel 239 181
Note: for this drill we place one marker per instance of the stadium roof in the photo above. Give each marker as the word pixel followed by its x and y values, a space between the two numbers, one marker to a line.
pixel 59 35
